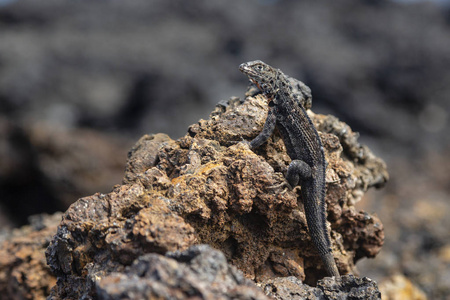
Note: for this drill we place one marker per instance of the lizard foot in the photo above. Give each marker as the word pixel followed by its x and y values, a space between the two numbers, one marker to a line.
pixel 245 142
pixel 278 186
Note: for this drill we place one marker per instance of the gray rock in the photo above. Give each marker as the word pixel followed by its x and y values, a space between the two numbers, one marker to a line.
pixel 199 272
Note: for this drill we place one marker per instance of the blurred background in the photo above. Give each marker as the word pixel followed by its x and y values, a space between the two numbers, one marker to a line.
pixel 81 81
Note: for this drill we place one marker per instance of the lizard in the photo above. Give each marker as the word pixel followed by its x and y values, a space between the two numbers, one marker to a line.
pixel 303 145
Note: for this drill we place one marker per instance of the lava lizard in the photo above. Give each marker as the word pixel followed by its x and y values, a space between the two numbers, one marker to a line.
pixel 303 146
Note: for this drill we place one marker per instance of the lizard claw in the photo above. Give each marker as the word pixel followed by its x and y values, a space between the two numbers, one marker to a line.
pixel 290 187
pixel 244 141
pixel 277 186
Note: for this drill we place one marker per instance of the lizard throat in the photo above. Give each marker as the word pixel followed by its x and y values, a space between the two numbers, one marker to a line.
pixel 265 92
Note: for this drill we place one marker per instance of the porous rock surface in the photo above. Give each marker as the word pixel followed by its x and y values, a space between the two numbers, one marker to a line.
pixel 24 273
pixel 208 188
pixel 346 287
pixel 197 273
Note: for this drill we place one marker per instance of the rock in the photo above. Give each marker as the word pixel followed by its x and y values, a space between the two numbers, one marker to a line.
pixel 199 272
pixel 24 273
pixel 208 188
pixel 346 287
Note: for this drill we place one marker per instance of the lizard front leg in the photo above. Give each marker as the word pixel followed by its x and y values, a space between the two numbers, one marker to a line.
pixel 267 130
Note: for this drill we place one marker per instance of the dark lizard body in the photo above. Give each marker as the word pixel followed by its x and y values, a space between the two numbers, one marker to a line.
pixel 303 146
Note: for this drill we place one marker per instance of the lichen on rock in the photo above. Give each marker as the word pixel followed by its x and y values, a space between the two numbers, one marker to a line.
pixel 209 188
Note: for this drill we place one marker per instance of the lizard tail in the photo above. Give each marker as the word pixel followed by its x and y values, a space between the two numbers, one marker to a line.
pixel 314 204
pixel 330 265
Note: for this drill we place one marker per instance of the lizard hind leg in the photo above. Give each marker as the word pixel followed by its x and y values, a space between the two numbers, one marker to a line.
pixel 297 170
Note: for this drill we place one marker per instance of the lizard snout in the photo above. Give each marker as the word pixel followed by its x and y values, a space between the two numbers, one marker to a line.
pixel 244 68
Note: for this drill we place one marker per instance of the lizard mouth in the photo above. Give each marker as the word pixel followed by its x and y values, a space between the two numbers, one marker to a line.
pixel 244 68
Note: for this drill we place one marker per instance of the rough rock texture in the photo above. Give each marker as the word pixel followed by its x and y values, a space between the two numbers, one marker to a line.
pixel 24 273
pixel 197 273
pixel 346 287
pixel 208 188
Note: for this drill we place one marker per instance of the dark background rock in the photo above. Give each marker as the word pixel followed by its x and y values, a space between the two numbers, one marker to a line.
pixel 120 68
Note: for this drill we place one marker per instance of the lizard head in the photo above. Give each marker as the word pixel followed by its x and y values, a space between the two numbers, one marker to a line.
pixel 261 74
